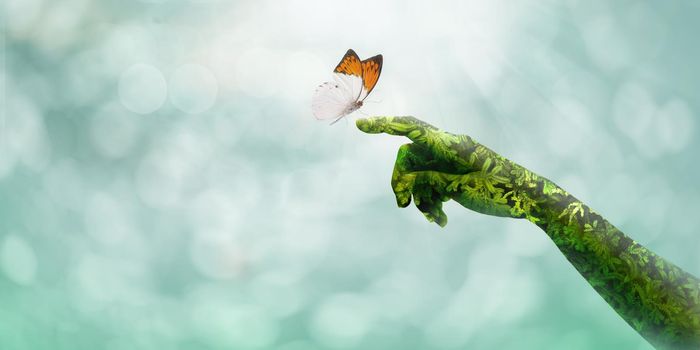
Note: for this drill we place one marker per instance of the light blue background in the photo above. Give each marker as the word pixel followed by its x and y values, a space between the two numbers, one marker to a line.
pixel 163 184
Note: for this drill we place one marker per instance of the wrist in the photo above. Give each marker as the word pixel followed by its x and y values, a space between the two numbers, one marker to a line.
pixel 547 201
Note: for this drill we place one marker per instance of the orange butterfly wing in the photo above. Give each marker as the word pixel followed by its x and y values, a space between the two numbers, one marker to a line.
pixel 350 64
pixel 371 69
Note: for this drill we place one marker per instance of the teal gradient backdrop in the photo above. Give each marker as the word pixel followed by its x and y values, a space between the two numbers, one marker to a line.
pixel 164 185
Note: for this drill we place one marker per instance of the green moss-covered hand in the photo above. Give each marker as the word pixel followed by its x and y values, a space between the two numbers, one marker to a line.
pixel 657 298
pixel 439 166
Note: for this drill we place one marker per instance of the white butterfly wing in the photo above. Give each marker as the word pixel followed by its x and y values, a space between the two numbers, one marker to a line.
pixel 329 101
pixel 352 83
pixel 335 99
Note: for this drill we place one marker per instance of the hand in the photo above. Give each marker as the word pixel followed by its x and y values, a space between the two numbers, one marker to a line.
pixel 439 166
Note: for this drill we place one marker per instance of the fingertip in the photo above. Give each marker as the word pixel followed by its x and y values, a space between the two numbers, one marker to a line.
pixel 363 124
pixel 441 220
pixel 403 198
pixel 371 125
pixel 436 219
pixel 437 216
pixel 433 212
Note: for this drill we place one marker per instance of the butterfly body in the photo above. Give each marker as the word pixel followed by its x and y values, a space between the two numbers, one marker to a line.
pixel 353 107
pixel 353 81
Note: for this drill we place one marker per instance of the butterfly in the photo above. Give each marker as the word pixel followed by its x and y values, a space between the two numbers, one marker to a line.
pixel 353 81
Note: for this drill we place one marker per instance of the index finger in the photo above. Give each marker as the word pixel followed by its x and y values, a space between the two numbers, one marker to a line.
pixel 413 128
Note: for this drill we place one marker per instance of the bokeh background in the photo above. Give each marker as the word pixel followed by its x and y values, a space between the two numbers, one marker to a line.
pixel 163 184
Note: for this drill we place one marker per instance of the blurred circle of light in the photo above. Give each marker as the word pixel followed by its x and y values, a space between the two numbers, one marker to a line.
pixel 142 88
pixel 569 128
pixel 265 289
pixel 239 326
pixel 193 88
pixel 58 30
pixel 342 321
pixel 7 160
pixel 113 131
pixel 125 44
pixel 99 282
pixel 20 15
pixel 65 184
pixel 495 302
pixel 401 296
pixel 215 210
pixel 675 125
pixel 633 110
pixel 606 44
pixel 256 71
pixel 605 153
pixel 216 256
pixel 18 260
pixel 93 283
pixel 106 219
pixel 23 134
pixel 655 130
pixel 485 299
pixel 165 172
pixel 644 21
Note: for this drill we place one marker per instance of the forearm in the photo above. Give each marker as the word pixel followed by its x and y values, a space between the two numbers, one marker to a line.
pixel 654 296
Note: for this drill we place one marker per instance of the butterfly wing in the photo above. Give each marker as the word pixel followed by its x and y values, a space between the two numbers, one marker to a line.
pixel 371 69
pixel 350 64
pixel 334 99
pixel 349 68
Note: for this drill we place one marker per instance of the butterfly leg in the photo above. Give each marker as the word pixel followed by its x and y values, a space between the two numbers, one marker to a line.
pixel 337 119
